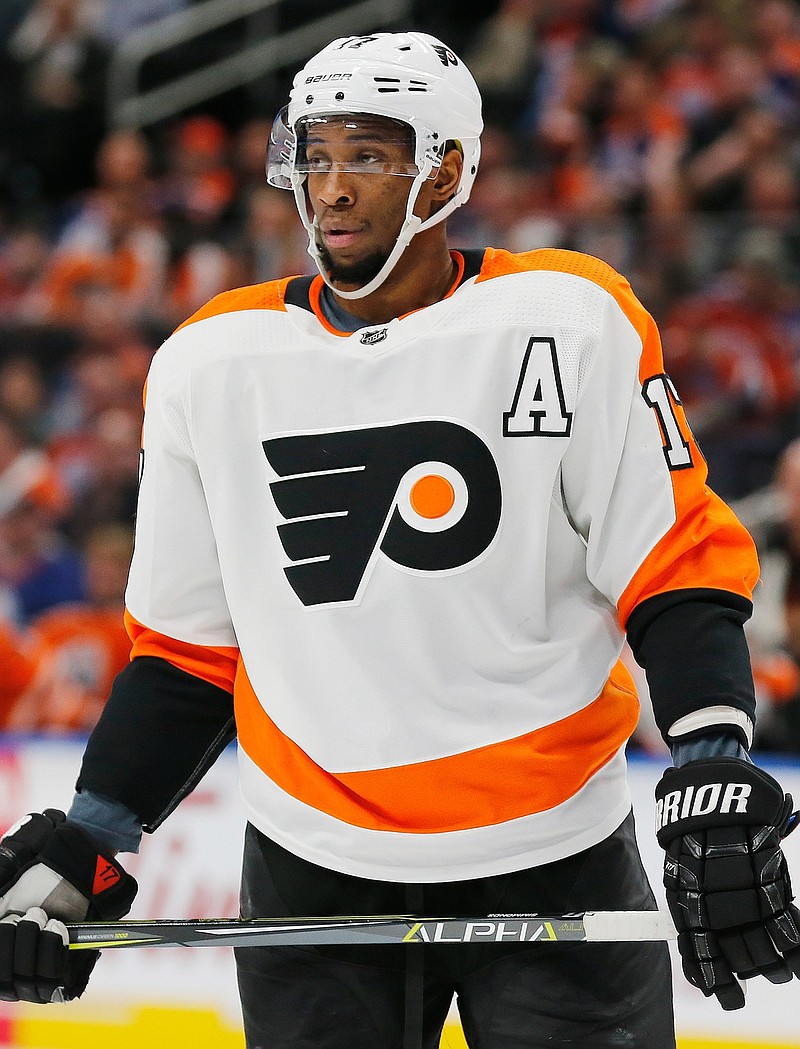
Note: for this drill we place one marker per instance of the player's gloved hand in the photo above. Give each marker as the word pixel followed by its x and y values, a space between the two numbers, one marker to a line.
pixel 52 872
pixel 721 821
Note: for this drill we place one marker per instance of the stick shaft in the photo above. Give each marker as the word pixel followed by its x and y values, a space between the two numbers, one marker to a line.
pixel 597 926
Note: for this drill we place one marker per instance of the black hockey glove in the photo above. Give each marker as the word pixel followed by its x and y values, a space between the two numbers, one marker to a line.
pixel 52 872
pixel 721 821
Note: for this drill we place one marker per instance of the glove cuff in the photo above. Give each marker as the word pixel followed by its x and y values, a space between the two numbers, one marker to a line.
pixel 76 856
pixel 718 792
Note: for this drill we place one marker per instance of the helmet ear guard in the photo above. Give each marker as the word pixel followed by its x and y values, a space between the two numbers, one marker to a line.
pixel 280 152
pixel 407 77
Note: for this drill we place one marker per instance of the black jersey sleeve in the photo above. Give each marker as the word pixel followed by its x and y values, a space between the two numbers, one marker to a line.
pixel 159 733
pixel 692 646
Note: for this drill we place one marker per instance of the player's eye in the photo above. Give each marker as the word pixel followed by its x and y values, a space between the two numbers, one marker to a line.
pixel 318 162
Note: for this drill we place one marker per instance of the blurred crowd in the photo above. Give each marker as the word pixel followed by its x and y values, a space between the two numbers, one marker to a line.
pixel 660 135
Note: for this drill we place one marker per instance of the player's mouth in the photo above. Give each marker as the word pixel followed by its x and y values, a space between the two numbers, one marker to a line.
pixel 336 236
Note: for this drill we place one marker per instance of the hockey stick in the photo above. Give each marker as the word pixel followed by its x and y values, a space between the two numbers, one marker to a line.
pixel 282 932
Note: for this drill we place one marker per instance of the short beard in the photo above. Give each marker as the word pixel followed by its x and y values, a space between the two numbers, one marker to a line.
pixel 359 273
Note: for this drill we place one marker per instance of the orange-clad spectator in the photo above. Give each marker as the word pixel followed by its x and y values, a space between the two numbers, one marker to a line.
pixel 690 75
pixel 128 263
pixel 198 193
pixel 566 134
pixel 80 647
pixel 641 142
pixel 199 185
pixel 72 279
pixel 614 141
pixel 19 668
pixel 113 243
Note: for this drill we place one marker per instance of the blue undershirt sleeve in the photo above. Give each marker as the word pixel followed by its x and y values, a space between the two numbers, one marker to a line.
pixel 709 745
pixel 110 822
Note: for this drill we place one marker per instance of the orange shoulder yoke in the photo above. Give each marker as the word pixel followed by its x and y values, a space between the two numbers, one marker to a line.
pixel 267 296
pixel 499 263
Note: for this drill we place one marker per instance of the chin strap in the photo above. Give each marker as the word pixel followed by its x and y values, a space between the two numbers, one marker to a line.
pixel 412 225
pixel 410 228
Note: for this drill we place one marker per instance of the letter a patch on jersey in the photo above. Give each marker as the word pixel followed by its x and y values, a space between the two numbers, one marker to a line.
pixel 425 495
pixel 539 407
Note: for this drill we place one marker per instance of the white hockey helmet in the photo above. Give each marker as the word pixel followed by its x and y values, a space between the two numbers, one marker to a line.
pixel 409 77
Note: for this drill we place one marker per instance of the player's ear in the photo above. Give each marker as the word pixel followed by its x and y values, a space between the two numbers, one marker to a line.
pixel 449 175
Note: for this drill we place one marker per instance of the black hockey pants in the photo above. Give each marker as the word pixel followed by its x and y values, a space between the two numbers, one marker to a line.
pixel 509 996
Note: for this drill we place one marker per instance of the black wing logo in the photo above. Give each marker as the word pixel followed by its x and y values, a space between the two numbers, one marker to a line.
pixel 424 494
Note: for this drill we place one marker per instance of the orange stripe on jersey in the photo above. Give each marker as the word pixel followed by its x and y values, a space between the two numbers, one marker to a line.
pixel 481 787
pixel 707 546
pixel 215 665
pixel 314 292
pixel 268 296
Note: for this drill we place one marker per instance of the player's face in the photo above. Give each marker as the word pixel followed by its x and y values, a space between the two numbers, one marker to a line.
pixel 360 173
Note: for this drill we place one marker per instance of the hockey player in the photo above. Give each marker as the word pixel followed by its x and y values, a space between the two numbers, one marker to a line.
pixel 394 524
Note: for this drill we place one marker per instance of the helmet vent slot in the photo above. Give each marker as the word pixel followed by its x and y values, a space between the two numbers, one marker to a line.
pixel 411 85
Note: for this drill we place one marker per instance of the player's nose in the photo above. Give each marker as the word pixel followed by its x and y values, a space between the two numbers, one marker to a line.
pixel 335 187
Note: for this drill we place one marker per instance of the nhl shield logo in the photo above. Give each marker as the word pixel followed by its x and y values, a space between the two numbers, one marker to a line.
pixel 370 338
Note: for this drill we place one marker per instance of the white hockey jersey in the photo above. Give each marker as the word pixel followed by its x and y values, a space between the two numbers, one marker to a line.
pixel 411 551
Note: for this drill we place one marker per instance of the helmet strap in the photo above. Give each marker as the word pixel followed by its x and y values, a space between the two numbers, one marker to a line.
pixel 412 224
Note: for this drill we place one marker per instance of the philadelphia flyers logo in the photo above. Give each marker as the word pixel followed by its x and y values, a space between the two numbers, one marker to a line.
pixel 425 495
pixel 446 56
